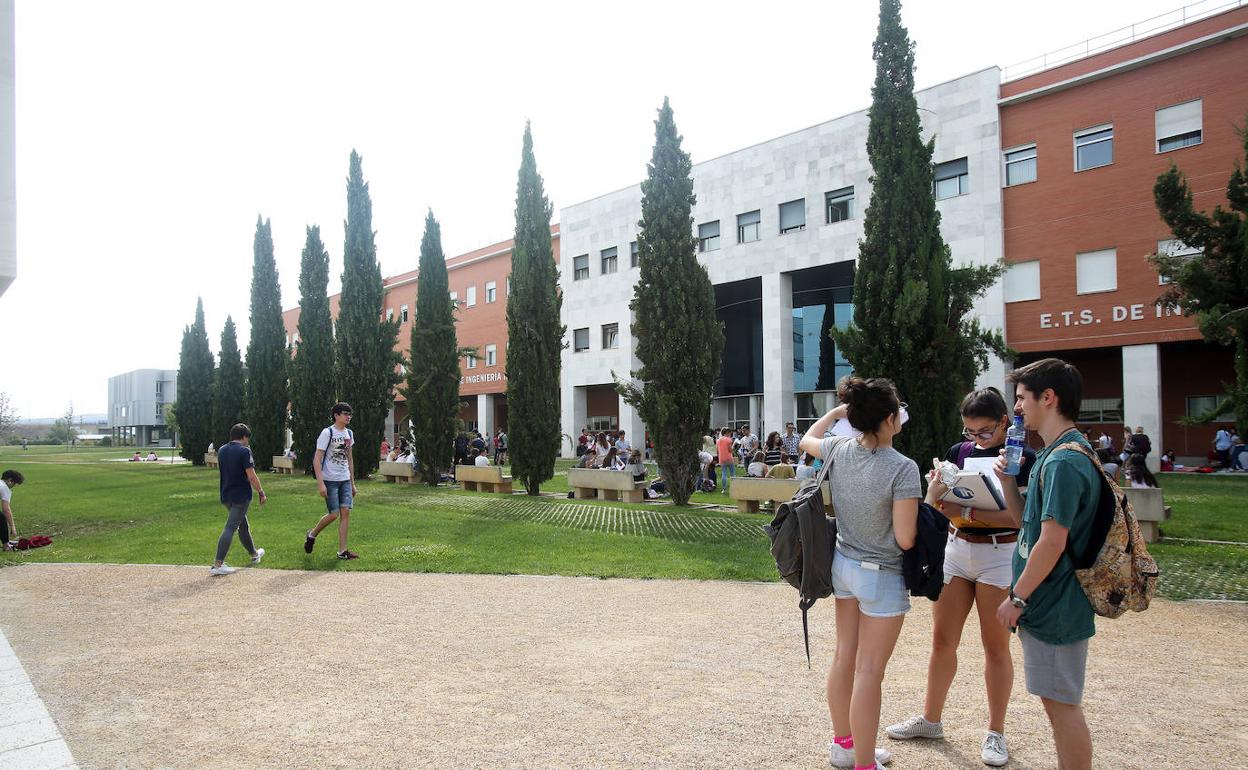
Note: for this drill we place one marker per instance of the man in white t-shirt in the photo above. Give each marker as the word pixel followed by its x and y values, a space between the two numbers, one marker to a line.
pixel 481 460
pixel 335 478
pixel 8 533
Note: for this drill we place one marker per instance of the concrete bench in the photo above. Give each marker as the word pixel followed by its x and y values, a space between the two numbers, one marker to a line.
pixel 398 472
pixel 1150 510
pixel 605 485
pixel 283 464
pixel 210 459
pixel 489 478
pixel 748 491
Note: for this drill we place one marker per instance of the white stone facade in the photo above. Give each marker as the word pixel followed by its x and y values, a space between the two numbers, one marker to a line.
pixel 961 114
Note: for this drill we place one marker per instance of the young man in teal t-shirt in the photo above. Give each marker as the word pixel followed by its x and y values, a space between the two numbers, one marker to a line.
pixel 1046 603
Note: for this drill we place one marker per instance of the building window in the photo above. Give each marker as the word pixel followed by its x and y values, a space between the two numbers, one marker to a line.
pixel 952 179
pixel 389 314
pixel 1174 249
pixel 610 262
pixel 491 292
pixel 160 387
pixel 610 336
pixel 1179 125
pixel 1100 410
pixel 470 361
pixel 1022 281
pixel 455 297
pixel 470 298
pixel 1020 166
pixel 1096 271
pixel 508 289
pixel 839 205
pixel 634 255
pixel 793 216
pixel 402 314
pixel 1198 406
pixel 491 355
pixel 708 236
pixel 580 267
pixel 602 423
pixel 747 227
pixel 1094 148
pixel 580 339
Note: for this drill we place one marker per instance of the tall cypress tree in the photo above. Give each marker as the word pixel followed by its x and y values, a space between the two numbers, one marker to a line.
pixel 195 371
pixel 264 402
pixel 367 365
pixel 433 379
pixel 910 304
pixel 227 386
pixel 312 368
pixel 534 334
pixel 679 340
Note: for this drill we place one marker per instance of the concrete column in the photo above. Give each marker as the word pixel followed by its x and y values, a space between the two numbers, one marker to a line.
pixel 778 407
pixel 756 417
pixel 485 415
pixel 1141 395
pixel 574 414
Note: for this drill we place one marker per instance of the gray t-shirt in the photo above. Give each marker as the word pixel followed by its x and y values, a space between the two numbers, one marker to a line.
pixel 864 486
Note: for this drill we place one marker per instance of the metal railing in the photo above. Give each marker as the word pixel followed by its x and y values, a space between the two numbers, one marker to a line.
pixel 1119 37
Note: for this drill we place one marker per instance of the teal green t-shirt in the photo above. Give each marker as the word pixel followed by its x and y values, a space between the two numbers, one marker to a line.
pixel 1069 488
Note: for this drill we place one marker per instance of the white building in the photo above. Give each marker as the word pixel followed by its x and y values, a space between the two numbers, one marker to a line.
pixel 778 226
pixel 136 406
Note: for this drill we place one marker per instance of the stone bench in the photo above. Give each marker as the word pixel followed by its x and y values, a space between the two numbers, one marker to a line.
pixel 748 491
pixel 488 478
pixel 210 459
pixel 1150 510
pixel 283 464
pixel 398 472
pixel 605 485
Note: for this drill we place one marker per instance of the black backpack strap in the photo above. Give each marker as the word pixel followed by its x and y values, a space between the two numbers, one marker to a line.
pixel 804 605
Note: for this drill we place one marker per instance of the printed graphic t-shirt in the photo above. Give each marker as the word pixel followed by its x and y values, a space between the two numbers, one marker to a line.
pixel 334 443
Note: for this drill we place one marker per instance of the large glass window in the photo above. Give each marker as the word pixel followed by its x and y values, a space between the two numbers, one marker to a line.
pixel 822 300
pixel 1198 406
pixel 1094 148
pixel 1174 248
pixel 580 267
pixel 747 226
pixel 839 205
pixel 1100 410
pixel 739 307
pixel 708 236
pixel 1020 166
pixel 952 179
pixel 793 216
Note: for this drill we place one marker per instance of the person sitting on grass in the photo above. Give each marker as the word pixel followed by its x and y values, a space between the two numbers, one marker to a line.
pixel 138 458
pixel 758 468
pixel 782 470
pixel 480 458
pixel 1138 474
pixel 151 456
pixel 8 532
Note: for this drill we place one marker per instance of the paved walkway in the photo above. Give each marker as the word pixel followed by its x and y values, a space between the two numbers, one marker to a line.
pixel 146 667
pixel 29 738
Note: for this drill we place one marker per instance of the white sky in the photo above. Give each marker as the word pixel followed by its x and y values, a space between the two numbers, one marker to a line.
pixel 151 134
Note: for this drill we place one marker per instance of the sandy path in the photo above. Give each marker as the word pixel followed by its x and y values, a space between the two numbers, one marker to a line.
pixel 146 667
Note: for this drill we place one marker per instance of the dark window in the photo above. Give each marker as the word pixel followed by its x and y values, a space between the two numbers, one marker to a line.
pixel 952 179
pixel 708 236
pixel 839 205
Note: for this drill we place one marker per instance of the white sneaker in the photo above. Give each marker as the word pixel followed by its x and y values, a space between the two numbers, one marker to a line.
pixel 224 569
pixel 842 757
pixel 915 727
pixel 994 752
pixel 259 555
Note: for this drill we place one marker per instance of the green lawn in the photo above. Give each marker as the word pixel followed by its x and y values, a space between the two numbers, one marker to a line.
pixel 100 510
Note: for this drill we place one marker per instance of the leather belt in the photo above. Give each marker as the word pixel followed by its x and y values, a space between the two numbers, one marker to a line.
pixel 1005 537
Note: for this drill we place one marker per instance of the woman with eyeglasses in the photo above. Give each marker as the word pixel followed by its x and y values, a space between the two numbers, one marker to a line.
pixel 977 572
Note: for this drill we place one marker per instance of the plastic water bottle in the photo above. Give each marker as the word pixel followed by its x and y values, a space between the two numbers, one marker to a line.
pixel 1015 440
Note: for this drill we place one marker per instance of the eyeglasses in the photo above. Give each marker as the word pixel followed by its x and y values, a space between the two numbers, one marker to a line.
pixel 982 434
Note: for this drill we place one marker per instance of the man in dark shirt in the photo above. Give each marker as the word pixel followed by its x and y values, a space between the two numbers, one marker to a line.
pixel 238 478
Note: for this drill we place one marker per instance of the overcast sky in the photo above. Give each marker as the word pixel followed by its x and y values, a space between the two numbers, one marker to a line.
pixel 151 134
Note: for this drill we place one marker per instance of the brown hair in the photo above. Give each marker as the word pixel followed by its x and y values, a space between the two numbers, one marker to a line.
pixel 870 401
pixel 1056 375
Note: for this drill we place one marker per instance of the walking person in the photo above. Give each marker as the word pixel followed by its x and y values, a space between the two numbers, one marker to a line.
pixel 1046 604
pixel 238 477
pixel 978 573
pixel 334 467
pixel 8 531
pixel 727 460
pixel 875 492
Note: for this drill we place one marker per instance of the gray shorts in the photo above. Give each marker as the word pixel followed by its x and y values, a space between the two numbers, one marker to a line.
pixel 1054 671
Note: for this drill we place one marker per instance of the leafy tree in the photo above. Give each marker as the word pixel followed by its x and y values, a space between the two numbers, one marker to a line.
pixel 194 401
pixel 8 415
pixel 534 334
pixel 432 391
pixel 679 340
pixel 63 430
pixel 311 374
pixel 367 366
pixel 1211 286
pixel 227 386
pixel 265 394
pixel 910 305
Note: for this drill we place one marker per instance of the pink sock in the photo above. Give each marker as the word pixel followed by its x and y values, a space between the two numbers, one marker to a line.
pixel 846 743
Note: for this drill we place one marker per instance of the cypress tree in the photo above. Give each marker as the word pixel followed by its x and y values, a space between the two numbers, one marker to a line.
pixel 264 403
pixel 367 365
pixel 534 334
pixel 679 340
pixel 194 405
pixel 1211 286
pixel 910 304
pixel 312 368
pixel 228 386
pixel 433 380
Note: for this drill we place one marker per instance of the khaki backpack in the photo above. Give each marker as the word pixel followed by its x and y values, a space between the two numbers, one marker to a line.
pixel 1116 571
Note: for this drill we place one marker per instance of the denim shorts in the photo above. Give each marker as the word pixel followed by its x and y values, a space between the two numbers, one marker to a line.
pixel 880 593
pixel 337 495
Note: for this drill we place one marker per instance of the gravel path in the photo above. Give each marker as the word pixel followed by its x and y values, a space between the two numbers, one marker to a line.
pixel 154 667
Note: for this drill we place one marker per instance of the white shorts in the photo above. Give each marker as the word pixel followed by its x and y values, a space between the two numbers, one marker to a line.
pixel 989 563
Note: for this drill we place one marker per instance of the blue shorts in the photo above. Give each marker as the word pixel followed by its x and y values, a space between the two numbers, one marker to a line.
pixel 880 593
pixel 337 495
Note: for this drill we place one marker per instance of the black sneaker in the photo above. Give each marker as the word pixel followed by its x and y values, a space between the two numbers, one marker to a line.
pixel 308 543
pixel 348 555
